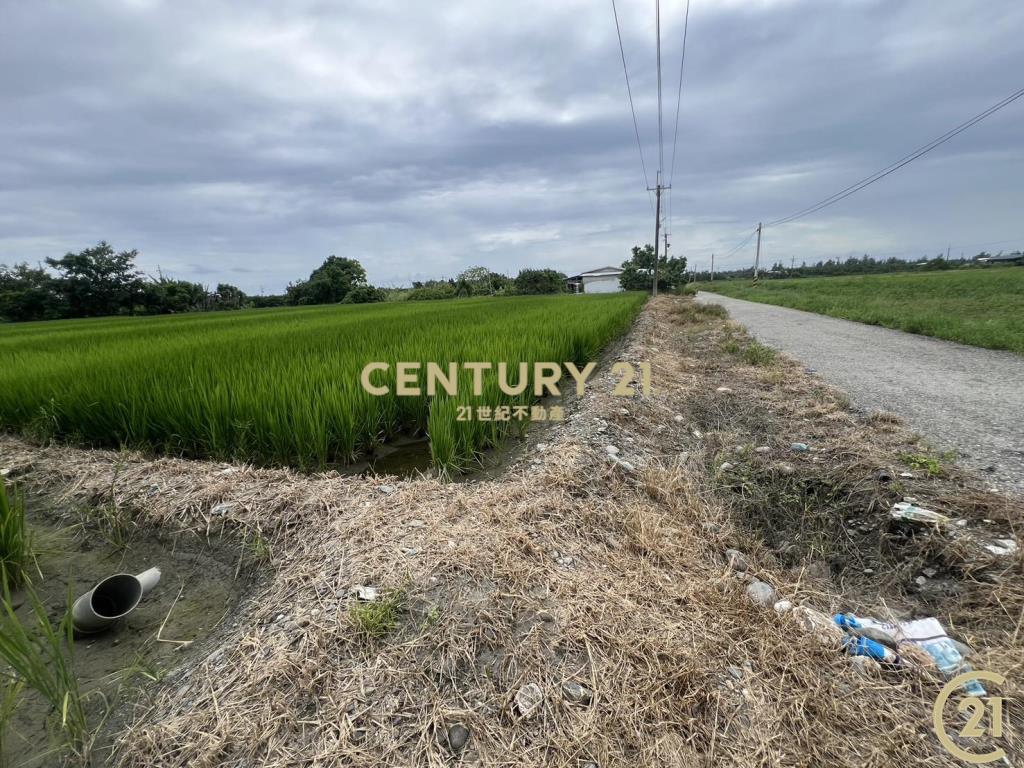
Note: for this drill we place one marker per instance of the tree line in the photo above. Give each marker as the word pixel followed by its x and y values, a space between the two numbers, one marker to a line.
pixel 100 282
pixel 864 265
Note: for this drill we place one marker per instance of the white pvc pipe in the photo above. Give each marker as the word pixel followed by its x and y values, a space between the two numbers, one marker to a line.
pixel 112 599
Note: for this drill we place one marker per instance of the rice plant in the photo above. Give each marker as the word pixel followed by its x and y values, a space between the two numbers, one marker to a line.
pixel 10 690
pixel 40 656
pixel 15 547
pixel 282 387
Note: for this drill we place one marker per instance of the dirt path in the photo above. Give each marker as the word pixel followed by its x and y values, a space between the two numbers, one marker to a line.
pixel 958 397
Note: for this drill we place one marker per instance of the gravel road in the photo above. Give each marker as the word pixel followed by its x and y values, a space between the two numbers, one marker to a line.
pixel 958 398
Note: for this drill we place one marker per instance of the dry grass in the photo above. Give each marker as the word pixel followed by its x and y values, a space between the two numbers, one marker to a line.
pixel 567 570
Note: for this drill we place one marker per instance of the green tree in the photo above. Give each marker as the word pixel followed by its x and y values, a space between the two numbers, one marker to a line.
pixel 98 281
pixel 230 297
pixel 477 279
pixel 329 283
pixel 364 294
pixel 638 271
pixel 535 281
pixel 28 293
pixel 499 283
pixel 167 295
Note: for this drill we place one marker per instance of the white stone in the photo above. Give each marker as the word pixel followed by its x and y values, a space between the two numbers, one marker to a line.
pixel 529 699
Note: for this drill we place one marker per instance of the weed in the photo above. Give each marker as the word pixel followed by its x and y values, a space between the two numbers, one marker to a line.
pixel 113 523
pixel 931 465
pixel 841 400
pixel 41 658
pixel 433 617
pixel 756 353
pixel 15 544
pixel 257 548
pixel 140 668
pixel 379 618
pixel 692 312
pixel 879 418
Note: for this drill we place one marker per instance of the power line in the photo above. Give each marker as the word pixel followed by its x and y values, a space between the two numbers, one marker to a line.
pixel 661 138
pixel 738 247
pixel 877 176
pixel 675 133
pixel 679 94
pixel 632 109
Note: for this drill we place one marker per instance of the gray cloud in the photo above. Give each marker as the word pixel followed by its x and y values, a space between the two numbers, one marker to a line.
pixel 250 142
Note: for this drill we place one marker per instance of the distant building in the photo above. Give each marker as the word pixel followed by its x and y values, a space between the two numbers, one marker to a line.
pixel 600 280
pixel 1002 258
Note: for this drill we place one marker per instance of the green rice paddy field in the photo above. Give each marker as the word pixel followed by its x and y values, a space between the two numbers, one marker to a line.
pixel 282 387
pixel 981 307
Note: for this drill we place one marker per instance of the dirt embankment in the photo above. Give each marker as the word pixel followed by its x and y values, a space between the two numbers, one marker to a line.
pixel 578 611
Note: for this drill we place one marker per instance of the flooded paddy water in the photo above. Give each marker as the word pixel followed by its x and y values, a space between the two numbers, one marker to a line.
pixel 199 589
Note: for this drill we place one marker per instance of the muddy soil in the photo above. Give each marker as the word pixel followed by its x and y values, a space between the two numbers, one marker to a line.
pixel 198 590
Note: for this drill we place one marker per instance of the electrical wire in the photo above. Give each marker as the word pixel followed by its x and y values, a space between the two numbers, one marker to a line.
pixel 738 247
pixel 906 159
pixel 679 93
pixel 632 109
pixel 675 132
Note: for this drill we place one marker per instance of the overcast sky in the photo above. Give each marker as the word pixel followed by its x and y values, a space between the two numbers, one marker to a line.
pixel 245 142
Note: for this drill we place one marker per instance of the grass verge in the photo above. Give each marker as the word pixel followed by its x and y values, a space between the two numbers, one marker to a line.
pixel 981 307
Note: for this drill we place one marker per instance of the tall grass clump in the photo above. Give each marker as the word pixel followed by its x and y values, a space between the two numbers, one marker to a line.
pixel 282 387
pixel 40 657
pixel 15 547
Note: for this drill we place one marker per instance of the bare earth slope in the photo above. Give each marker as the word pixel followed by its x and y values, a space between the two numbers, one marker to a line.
pixel 600 585
pixel 962 398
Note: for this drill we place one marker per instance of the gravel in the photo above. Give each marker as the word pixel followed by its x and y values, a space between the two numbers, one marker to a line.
pixel 962 398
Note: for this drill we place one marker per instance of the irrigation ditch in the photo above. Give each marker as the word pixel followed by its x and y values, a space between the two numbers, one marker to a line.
pixel 72 549
pixel 575 605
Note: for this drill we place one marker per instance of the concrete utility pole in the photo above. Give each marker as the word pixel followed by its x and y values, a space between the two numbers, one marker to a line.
pixel 757 257
pixel 657 232
pixel 712 267
pixel 661 150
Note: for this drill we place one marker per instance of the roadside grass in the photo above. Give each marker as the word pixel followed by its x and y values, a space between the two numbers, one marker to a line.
pixel 736 341
pixel 15 543
pixel 981 307
pixel 377 619
pixel 756 353
pixel 931 465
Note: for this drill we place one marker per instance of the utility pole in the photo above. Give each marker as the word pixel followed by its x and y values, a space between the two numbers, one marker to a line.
pixel 665 235
pixel 657 232
pixel 712 267
pixel 757 257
